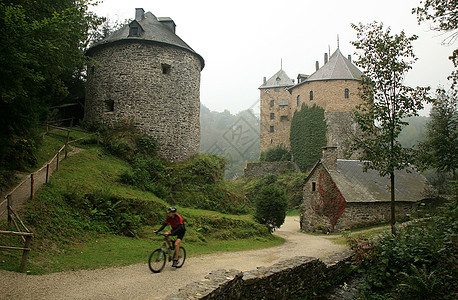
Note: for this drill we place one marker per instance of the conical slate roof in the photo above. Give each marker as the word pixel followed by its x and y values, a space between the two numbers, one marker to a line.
pixel 280 79
pixel 153 30
pixel 338 67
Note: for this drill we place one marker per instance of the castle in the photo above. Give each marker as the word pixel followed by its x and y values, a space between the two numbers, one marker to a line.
pixel 333 87
pixel 145 74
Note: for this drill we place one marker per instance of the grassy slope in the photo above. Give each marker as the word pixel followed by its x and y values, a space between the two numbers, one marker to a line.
pixel 92 170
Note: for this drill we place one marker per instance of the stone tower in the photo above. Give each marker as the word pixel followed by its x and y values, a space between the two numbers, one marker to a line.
pixel 145 74
pixel 333 87
pixel 276 110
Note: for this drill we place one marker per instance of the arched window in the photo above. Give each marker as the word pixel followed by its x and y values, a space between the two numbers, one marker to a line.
pixel 347 93
pixel 298 100
pixel 311 95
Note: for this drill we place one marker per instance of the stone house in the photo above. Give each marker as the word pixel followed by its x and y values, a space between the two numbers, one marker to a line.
pixel 145 74
pixel 366 195
pixel 333 87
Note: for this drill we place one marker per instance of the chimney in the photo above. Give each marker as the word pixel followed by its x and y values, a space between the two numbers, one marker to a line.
pixel 264 80
pixel 330 158
pixel 139 14
pixel 349 57
pixel 325 58
pixel 317 65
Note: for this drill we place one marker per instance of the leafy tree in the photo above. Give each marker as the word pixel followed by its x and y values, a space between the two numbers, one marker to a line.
pixel 443 14
pixel 332 204
pixel 441 143
pixel 307 136
pixel 386 101
pixel 279 153
pixel 41 43
pixel 270 206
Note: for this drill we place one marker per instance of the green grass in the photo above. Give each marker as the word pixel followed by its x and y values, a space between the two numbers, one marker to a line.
pixel 94 170
pixel 368 232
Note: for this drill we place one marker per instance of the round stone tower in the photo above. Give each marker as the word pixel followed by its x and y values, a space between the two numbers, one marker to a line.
pixel 145 74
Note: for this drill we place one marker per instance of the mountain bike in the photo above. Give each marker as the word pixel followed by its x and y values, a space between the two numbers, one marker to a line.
pixel 159 257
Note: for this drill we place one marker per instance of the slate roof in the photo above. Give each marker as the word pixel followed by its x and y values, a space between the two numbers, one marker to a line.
pixel 153 30
pixel 359 186
pixel 337 68
pixel 280 79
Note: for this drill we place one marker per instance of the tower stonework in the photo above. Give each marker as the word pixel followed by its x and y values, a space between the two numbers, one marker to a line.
pixel 334 87
pixel 145 74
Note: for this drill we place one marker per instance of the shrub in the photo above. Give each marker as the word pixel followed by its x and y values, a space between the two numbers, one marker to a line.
pixel 414 259
pixel 279 153
pixel 270 206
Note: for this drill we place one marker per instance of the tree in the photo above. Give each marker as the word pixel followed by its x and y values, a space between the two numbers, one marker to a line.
pixel 386 101
pixel 307 136
pixel 270 205
pixel 443 14
pixel 441 143
pixel 278 153
pixel 41 42
pixel 332 204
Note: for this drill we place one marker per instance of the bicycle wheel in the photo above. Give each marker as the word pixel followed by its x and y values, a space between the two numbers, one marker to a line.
pixel 156 261
pixel 181 257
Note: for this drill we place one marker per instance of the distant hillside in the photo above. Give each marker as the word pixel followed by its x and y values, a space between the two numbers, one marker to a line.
pixel 414 132
pixel 235 137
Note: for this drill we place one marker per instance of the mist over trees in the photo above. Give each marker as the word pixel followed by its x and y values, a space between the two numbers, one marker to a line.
pixel 235 137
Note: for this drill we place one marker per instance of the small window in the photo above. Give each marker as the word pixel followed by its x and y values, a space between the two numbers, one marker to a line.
pixel 271 141
pixel 311 95
pixel 165 68
pixel 276 89
pixel 313 186
pixel 347 93
pixel 109 105
pixel 284 118
pixel 272 103
pixel 272 116
pixel 298 100
pixel 271 129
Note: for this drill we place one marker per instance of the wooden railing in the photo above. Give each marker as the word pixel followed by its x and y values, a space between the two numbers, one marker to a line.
pixel 22 231
pixel 26 190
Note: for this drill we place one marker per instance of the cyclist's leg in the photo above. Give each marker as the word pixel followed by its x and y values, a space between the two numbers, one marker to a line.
pixel 180 236
pixel 177 248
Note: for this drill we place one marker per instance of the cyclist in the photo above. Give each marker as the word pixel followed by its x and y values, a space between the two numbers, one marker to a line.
pixel 178 229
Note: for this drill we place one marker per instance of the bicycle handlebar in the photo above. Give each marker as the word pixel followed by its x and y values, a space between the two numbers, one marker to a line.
pixel 163 234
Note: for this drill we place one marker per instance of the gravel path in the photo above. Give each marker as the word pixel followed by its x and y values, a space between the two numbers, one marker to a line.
pixel 137 282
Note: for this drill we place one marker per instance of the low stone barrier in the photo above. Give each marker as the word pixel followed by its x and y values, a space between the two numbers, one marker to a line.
pixel 293 277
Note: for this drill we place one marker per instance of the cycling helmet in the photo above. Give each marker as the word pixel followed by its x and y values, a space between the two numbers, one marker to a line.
pixel 172 209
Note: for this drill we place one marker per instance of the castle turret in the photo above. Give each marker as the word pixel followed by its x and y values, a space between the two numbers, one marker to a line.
pixel 145 74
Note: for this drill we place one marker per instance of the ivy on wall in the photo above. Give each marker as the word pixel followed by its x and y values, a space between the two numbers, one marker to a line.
pixel 308 136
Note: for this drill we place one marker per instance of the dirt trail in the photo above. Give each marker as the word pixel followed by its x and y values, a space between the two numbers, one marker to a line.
pixel 137 282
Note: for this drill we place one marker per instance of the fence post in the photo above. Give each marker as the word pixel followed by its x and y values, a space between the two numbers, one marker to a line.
pixel 66 150
pixel 31 186
pixel 71 123
pixel 57 163
pixel 8 208
pixel 47 172
pixel 28 238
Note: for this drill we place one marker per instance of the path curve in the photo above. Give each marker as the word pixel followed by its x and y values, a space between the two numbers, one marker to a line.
pixel 137 282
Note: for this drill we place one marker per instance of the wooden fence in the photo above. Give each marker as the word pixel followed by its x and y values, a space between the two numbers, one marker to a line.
pixel 26 190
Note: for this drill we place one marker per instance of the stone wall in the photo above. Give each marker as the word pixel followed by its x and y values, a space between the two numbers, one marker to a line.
pixel 155 86
pixel 294 277
pixel 260 169
pixel 281 120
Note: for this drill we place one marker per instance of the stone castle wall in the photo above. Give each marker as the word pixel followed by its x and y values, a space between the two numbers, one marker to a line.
pixel 281 121
pixel 260 169
pixel 155 86
pixel 328 94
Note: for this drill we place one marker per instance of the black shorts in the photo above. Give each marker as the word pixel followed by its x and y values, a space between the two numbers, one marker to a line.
pixel 179 234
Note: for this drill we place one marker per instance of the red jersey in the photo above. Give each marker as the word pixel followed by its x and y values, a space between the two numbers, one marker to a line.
pixel 174 222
